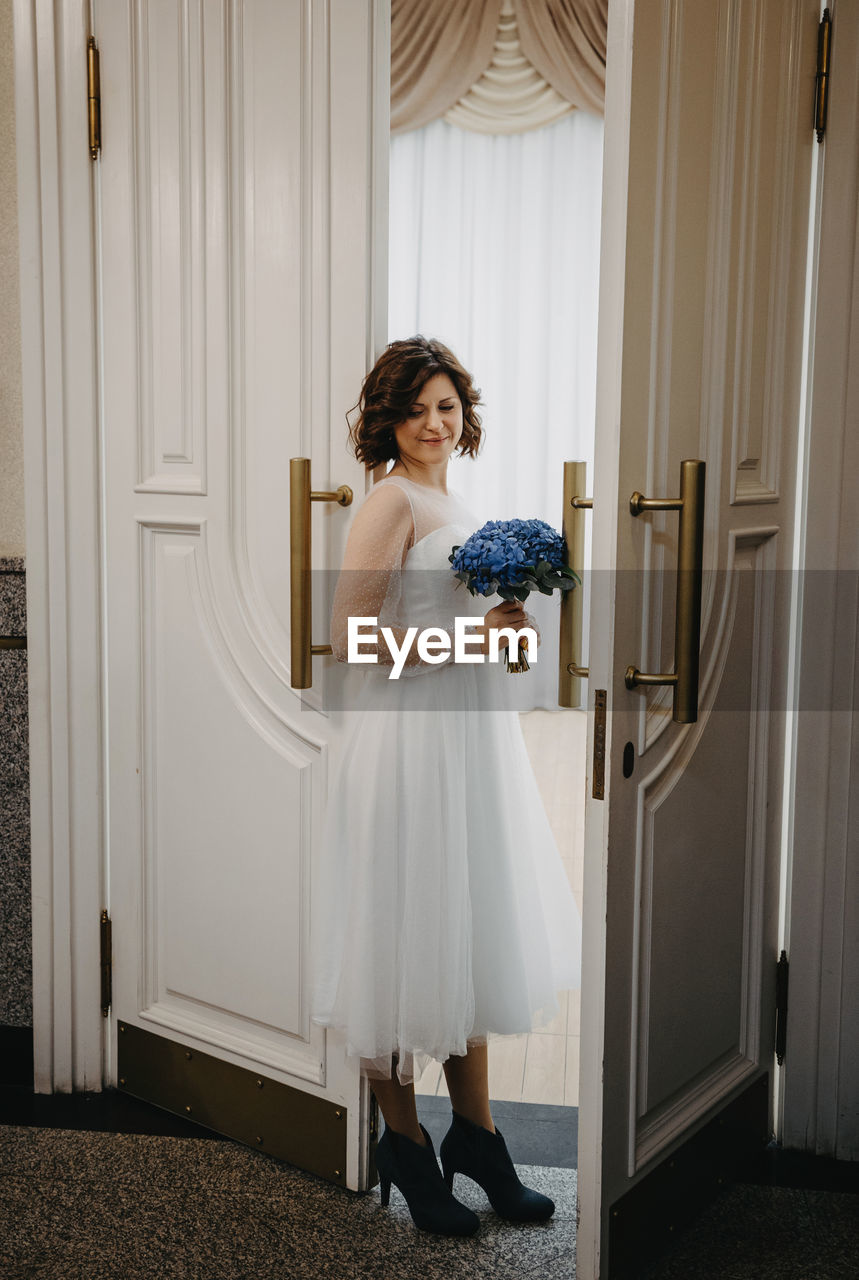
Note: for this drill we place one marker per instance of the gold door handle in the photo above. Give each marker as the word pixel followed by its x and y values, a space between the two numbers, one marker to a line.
pixel 570 674
pixel 300 498
pixel 690 574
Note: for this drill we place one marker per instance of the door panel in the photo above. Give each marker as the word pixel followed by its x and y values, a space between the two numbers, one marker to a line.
pixel 702 860
pixel 705 200
pixel 218 764
pixel 235 336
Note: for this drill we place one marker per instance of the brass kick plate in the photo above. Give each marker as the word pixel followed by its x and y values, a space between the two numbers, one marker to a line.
pixel 598 784
pixel 306 1131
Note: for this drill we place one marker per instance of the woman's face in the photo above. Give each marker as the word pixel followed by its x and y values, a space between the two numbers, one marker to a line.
pixel 431 431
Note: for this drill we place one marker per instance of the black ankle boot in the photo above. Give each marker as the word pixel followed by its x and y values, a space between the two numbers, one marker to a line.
pixel 482 1155
pixel 414 1169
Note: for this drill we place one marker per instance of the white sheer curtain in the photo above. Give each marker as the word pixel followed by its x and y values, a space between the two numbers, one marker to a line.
pixel 494 249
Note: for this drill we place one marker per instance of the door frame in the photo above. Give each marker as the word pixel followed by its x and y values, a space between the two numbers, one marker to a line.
pixel 595 895
pixel 63 543
pixel 819 1096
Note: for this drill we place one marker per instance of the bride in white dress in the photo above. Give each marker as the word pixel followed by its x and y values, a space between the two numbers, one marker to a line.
pixel 448 916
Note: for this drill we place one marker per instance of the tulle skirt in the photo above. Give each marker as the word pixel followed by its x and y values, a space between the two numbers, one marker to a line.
pixel 442 913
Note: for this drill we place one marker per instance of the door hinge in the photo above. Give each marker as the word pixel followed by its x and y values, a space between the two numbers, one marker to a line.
pixel 93 98
pixel 782 971
pixel 821 82
pixel 106 964
pixel 598 781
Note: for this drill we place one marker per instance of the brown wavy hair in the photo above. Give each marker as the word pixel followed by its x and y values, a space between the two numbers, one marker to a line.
pixel 391 388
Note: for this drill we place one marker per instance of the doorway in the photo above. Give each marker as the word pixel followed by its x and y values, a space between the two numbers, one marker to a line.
pixel 69 1015
pixel 494 231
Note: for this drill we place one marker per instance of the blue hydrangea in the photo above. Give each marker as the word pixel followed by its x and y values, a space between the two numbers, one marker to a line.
pixel 512 558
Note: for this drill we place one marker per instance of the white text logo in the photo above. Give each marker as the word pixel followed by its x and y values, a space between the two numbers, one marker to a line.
pixel 433 643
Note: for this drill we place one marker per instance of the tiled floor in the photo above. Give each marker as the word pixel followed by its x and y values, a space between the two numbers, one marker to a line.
pixel 543 1067
pixel 103 1206
pixel 131 1206
pixel 768 1233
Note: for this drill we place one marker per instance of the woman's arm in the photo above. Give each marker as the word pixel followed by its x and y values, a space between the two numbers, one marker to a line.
pixel 370 579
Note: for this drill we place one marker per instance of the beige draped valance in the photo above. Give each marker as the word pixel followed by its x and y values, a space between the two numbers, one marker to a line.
pixel 441 48
pixel 565 40
pixel 438 49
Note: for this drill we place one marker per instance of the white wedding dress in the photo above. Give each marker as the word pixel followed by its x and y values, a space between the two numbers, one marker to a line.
pixel 442 914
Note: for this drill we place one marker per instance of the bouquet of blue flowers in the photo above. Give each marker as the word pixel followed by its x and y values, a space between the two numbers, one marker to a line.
pixel 514 558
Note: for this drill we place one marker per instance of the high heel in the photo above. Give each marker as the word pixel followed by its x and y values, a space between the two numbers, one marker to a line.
pixel 483 1156
pixel 414 1170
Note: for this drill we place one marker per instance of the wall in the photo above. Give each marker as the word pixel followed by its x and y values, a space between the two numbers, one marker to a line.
pixel 11 439
pixel 16 1007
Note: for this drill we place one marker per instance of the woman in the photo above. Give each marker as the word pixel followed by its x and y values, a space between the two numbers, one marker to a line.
pixel 447 914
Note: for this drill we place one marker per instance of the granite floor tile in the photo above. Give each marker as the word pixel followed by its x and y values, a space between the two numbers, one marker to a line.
pixel 97 1206
pixel 16 979
pixel 91 1205
pixel 14 707
pixel 769 1233
pixel 13 599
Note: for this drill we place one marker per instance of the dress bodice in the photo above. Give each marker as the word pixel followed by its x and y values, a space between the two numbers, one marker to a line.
pixel 428 593
pixel 396 567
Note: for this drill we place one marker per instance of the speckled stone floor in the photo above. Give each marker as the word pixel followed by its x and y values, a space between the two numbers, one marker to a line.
pixel 16 959
pixel 92 1205
pixel 118 1206
pixel 769 1233
pixel 102 1206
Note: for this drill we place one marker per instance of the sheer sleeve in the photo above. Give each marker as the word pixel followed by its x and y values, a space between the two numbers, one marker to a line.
pixel 370 581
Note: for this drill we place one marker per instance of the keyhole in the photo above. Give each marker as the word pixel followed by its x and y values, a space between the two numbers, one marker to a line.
pixel 628 760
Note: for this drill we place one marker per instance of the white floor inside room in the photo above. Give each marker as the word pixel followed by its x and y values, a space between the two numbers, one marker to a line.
pixel 544 1066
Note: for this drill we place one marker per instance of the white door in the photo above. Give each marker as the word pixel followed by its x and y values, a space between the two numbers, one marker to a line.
pixel 240 191
pixel 705 212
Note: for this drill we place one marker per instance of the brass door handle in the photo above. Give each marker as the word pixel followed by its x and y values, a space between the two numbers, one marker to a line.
pixel 690 574
pixel 570 674
pixel 300 498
